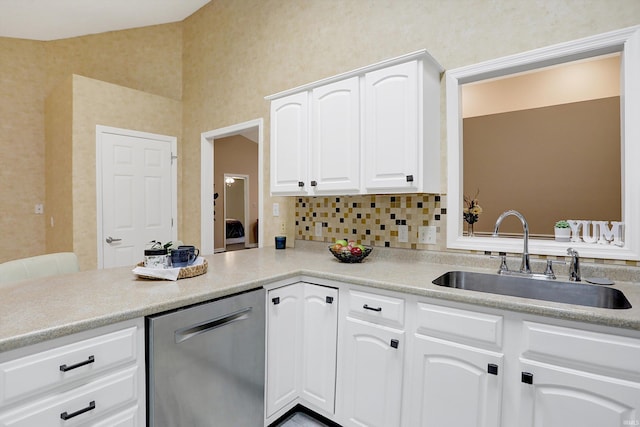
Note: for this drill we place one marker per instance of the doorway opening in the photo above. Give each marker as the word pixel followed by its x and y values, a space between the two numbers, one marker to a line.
pixel 233 152
pixel 237 202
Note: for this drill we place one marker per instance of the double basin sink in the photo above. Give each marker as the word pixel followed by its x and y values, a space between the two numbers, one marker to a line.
pixel 546 290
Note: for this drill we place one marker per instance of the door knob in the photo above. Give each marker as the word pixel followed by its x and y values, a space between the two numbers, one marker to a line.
pixel 111 239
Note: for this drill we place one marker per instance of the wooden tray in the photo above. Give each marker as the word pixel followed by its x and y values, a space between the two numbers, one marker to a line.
pixel 185 272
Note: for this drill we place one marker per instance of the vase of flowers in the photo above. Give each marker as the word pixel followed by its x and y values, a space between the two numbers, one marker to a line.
pixel 471 212
pixel 562 231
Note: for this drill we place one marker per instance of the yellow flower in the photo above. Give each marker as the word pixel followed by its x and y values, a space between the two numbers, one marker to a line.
pixel 476 210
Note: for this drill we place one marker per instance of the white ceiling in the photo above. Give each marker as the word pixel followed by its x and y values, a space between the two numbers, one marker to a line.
pixel 59 19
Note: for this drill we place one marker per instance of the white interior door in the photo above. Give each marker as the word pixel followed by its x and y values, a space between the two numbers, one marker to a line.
pixel 136 194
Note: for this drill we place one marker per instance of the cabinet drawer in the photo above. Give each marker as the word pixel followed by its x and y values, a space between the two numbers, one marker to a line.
pixel 126 418
pixel 79 405
pixel 376 308
pixel 39 372
pixel 583 350
pixel 457 325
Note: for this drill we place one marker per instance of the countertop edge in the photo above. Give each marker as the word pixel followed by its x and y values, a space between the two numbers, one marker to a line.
pixel 327 270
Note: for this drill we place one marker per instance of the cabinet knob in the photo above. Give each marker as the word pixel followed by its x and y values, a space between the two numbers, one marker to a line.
pixel 409 178
pixel 395 343
pixel 527 377
pixel 329 300
pixel 275 300
pixel 492 369
pixel 300 184
pixel 314 183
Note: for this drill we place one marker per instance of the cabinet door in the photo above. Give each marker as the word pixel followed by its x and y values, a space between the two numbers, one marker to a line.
pixel 289 144
pixel 371 391
pixel 392 128
pixel 320 324
pixel 335 138
pixel 454 384
pixel 284 345
pixel 560 397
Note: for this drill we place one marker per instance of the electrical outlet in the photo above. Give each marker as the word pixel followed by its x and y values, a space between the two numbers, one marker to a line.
pixel 283 228
pixel 403 233
pixel 318 229
pixel 427 234
pixel 276 209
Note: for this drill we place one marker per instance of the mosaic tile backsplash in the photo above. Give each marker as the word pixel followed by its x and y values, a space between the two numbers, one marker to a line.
pixel 371 220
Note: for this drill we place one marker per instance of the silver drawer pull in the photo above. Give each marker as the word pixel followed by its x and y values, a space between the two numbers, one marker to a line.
pixel 366 307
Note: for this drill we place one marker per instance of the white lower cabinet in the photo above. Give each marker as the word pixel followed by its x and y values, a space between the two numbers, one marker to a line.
pixel 559 397
pixel 94 378
pixel 302 323
pixel 456 368
pixel 408 361
pixel 320 329
pixel 284 346
pixel 573 377
pixel 454 384
pixel 371 369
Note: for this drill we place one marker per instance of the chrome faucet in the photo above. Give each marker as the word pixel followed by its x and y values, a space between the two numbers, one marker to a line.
pixel 524 266
pixel 574 265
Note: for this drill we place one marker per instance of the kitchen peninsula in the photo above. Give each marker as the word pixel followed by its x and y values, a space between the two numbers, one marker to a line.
pixel 420 316
pixel 47 308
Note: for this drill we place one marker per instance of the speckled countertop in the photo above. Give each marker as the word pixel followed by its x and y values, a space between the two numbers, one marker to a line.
pixel 42 309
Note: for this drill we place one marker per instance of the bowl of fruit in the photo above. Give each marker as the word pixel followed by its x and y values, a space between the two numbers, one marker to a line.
pixel 349 251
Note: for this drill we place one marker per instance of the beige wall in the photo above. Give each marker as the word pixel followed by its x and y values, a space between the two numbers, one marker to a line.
pixel 99 103
pixel 238 51
pixel 573 82
pixel 58 218
pixel 73 111
pixel 226 57
pixel 22 79
pixel 567 169
pixel 235 155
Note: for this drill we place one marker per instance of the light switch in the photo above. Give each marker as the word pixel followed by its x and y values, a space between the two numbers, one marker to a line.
pixel 276 209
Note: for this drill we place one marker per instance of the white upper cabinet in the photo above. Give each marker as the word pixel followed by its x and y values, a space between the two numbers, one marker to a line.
pixel 373 130
pixel 391 128
pixel 289 144
pixel 335 138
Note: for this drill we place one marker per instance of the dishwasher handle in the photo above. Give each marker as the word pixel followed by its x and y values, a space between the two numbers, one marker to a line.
pixel 184 334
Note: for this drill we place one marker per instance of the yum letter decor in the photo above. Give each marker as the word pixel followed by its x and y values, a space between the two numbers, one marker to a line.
pixel 597 232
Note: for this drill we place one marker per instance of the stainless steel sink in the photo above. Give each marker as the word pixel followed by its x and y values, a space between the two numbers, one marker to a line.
pixel 547 290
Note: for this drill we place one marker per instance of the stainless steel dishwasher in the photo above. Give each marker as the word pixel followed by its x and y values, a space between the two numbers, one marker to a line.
pixel 205 364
